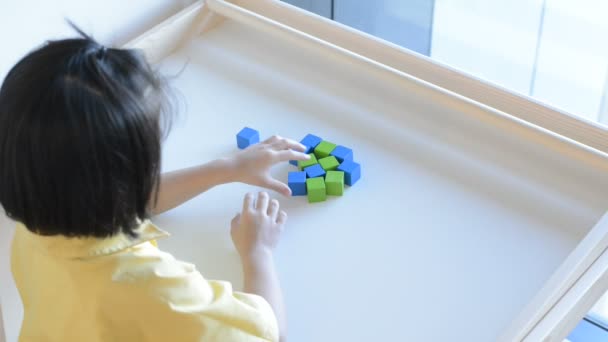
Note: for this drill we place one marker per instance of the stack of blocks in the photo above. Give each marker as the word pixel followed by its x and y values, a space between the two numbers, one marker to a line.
pixel 330 167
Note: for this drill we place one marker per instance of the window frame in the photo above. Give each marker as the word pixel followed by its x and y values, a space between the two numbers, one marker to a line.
pixel 592 324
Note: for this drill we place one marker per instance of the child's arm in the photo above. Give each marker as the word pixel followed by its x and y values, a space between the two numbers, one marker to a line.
pixel 169 300
pixel 260 277
pixel 256 232
pixel 251 166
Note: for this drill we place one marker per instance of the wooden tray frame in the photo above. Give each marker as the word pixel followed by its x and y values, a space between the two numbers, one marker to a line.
pixel 583 277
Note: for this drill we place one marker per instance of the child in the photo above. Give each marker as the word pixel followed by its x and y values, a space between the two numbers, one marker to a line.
pixel 80 134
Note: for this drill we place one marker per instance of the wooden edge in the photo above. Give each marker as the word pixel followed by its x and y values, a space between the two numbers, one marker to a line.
pixel 209 20
pixel 435 93
pixel 522 106
pixel 574 305
pixel 578 262
pixel 164 38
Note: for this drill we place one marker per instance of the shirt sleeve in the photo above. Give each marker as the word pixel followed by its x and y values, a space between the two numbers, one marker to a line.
pixel 158 298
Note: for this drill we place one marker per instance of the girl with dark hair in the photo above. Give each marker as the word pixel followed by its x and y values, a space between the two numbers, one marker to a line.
pixel 80 148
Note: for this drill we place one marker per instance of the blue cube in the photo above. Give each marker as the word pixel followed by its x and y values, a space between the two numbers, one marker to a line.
pixel 352 172
pixel 342 153
pixel 247 137
pixel 315 171
pixel 310 141
pixel 297 183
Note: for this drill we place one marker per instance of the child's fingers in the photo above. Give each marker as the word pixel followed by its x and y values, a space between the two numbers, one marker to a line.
pixel 248 202
pixel 272 139
pixel 262 202
pixel 294 145
pixel 280 143
pixel 273 209
pixel 235 220
pixel 278 186
pixel 286 155
pixel 282 219
pixel 287 144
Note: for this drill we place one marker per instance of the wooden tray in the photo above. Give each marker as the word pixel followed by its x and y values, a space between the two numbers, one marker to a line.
pixel 469 223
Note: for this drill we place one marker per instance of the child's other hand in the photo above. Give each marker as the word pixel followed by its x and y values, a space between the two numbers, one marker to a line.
pixel 252 165
pixel 256 231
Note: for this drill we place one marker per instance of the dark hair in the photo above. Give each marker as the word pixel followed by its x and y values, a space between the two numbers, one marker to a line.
pixel 80 133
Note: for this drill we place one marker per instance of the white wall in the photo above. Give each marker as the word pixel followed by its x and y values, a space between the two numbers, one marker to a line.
pixel 25 25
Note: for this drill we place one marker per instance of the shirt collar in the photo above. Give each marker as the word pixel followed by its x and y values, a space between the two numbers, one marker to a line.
pixel 90 247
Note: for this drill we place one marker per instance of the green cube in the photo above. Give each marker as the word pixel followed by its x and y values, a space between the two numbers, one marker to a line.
pixel 324 149
pixel 316 189
pixel 306 163
pixel 334 183
pixel 329 163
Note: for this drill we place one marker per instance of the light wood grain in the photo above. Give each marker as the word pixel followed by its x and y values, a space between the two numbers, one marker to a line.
pixel 574 305
pixel 167 36
pixel 574 272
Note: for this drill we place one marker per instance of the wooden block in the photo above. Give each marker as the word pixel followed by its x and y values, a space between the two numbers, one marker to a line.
pixel 247 137
pixel 329 163
pixel 334 183
pixel 297 183
pixel 342 153
pixel 316 190
pixel 324 149
pixel 302 164
pixel 310 141
pixel 315 171
pixel 352 172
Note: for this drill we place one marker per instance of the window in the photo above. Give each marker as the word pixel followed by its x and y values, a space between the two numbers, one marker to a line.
pixel 590 329
pixel 552 50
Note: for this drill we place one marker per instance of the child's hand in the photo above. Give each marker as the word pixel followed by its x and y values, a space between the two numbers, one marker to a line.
pixel 252 165
pixel 256 231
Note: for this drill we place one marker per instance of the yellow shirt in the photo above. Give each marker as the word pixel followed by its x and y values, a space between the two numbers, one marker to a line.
pixel 123 289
